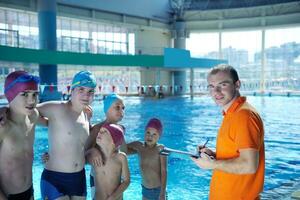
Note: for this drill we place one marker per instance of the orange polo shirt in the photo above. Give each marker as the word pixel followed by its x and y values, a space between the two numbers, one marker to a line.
pixel 241 128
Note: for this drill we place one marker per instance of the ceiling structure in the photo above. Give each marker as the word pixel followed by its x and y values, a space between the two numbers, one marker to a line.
pixel 199 15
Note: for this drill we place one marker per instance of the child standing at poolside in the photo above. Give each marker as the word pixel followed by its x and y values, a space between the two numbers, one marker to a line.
pixel 17 136
pixel 64 173
pixel 112 177
pixel 153 166
pixel 114 112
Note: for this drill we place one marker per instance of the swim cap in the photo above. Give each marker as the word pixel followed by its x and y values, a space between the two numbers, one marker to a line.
pixel 17 82
pixel 155 123
pixel 116 132
pixel 84 78
pixel 109 100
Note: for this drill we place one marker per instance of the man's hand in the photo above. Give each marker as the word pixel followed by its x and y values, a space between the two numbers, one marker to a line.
pixel 3 115
pixel 208 151
pixel 205 161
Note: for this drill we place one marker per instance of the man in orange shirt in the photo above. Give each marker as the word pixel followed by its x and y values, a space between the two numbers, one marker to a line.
pixel 239 161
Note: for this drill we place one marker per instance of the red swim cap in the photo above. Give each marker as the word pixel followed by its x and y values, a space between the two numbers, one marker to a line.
pixel 116 132
pixel 155 123
pixel 17 82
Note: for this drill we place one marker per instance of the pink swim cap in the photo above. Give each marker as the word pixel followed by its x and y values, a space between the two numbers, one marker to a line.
pixel 155 123
pixel 116 132
pixel 17 82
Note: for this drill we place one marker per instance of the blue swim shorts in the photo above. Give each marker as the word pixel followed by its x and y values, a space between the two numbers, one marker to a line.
pixel 151 193
pixel 58 184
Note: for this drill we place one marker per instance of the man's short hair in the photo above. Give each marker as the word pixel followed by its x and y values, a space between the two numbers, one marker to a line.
pixel 225 68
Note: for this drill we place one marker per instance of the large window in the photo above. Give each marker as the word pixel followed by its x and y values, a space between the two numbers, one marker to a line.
pixel 279 71
pixel 282 70
pixel 203 45
pixel 20 29
pixel 83 36
pixel 240 48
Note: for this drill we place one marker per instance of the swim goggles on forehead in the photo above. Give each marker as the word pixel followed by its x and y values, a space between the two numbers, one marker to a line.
pixel 84 82
pixel 22 79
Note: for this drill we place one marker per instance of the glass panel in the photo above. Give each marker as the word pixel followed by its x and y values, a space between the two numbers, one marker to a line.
pixel 101 47
pixel 123 48
pixel 240 49
pixel 131 44
pixel 66 27
pixel 123 37
pixel 2 17
pixel 109 47
pixel 117 48
pixel 282 53
pixel 205 45
pixel 109 36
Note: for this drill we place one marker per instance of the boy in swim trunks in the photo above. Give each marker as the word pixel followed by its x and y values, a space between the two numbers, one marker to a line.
pixel 114 112
pixel 112 177
pixel 153 166
pixel 64 174
pixel 17 136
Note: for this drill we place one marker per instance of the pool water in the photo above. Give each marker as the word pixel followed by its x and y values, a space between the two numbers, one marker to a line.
pixel 188 122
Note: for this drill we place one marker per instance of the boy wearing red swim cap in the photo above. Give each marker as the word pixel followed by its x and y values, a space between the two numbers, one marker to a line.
pixel 17 136
pixel 153 166
pixel 114 110
pixel 112 177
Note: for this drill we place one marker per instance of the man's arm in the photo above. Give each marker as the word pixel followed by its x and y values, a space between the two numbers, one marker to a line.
pixel 125 179
pixel 246 163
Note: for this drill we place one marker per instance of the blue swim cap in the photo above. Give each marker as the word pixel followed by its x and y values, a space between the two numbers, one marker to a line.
pixel 109 100
pixel 84 78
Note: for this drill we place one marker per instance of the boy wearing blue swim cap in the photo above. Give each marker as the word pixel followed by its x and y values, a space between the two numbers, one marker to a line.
pixel 113 107
pixel 68 133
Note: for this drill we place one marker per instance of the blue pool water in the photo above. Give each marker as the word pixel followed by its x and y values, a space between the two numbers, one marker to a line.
pixel 189 122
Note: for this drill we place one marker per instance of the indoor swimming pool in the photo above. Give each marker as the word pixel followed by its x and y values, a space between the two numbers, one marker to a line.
pixel 188 122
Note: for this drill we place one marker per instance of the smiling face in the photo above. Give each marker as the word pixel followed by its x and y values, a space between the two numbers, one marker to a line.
pixel 223 89
pixel 25 102
pixel 116 112
pixel 151 136
pixel 82 96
